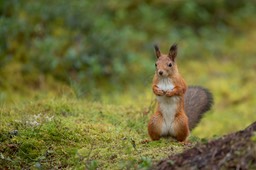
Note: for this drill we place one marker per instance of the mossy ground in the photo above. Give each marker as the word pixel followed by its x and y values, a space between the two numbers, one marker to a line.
pixel 70 133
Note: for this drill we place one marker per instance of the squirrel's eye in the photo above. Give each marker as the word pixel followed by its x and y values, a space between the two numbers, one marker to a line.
pixel 170 64
pixel 155 64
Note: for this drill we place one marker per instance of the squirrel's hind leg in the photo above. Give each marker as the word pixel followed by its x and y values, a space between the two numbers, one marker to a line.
pixel 181 128
pixel 155 126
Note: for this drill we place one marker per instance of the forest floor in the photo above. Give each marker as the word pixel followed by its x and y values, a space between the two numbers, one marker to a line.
pixel 67 133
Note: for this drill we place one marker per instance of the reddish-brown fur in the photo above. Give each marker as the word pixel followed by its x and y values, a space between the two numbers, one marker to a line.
pixel 180 125
pixel 154 130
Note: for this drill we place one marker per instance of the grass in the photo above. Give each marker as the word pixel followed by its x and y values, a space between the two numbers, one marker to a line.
pixel 62 128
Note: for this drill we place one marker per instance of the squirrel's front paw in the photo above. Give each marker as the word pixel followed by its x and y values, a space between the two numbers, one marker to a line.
pixel 159 92
pixel 169 93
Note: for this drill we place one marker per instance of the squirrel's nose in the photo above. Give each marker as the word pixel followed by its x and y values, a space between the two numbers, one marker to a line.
pixel 160 73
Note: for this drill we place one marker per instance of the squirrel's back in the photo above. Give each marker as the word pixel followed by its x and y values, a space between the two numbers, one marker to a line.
pixel 197 101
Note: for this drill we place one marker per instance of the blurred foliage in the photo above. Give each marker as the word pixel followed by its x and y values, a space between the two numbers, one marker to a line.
pixel 102 43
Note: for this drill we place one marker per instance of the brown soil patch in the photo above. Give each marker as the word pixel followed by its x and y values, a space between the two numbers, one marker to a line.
pixel 233 151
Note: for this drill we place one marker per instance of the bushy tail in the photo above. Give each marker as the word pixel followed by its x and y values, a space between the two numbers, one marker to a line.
pixel 198 100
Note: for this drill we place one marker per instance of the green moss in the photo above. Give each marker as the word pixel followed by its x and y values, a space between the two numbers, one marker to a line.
pixel 90 135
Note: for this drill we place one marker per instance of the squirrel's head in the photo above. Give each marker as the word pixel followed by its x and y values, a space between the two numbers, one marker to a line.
pixel 166 64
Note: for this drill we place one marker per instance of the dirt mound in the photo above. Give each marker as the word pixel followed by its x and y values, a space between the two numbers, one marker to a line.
pixel 233 151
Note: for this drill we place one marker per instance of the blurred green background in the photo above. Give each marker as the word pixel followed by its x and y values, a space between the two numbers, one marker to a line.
pixel 103 50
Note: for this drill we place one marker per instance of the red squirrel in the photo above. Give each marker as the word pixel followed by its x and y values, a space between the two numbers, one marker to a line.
pixel 179 108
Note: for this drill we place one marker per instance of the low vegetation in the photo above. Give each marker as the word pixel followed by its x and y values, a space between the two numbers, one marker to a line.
pixel 68 133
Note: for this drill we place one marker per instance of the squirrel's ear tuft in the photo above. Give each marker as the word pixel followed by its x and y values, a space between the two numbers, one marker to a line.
pixel 173 52
pixel 157 51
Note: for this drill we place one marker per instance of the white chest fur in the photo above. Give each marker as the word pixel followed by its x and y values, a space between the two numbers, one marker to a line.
pixel 165 84
pixel 168 106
